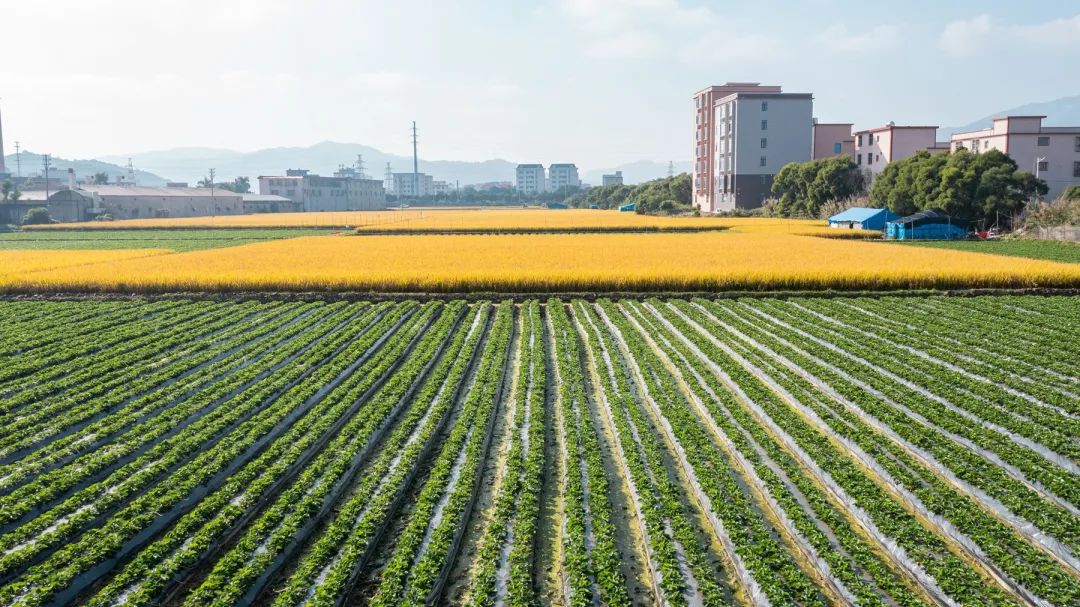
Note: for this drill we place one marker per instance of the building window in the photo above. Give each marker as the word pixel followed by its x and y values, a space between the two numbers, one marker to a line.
pixel 764 106
pixel 858 159
pixel 1044 165
pixel 1044 141
pixel 877 157
pixel 975 146
pixel 1078 144
pixel 764 125
pixel 1076 169
pixel 764 143
pixel 858 140
pixel 763 161
pixel 837 148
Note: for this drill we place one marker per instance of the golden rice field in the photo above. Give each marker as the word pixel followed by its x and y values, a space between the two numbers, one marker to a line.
pixel 756 255
pixel 420 219
pixel 24 262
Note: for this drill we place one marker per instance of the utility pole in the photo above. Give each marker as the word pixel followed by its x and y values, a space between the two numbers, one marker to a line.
pixel 670 169
pixel 415 164
pixel 360 167
pixel 46 162
pixel 213 174
pixel 131 172
pixel 388 179
pixel 18 163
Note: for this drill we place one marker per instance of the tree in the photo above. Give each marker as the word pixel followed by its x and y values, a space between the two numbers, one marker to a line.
pixel 240 185
pixel 37 216
pixel 101 178
pixel 804 187
pixel 667 195
pixel 205 182
pixel 972 187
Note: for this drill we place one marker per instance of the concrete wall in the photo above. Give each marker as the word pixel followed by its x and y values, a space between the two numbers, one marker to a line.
pixel 1060 233
pixel 136 207
pixel 828 136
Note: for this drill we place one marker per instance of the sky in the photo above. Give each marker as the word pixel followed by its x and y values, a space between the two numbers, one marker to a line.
pixel 595 82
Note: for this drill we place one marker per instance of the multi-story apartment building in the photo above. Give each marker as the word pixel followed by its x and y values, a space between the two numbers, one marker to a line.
pixel 755 135
pixel 1051 153
pixel 413 185
pixel 833 139
pixel 316 193
pixel 563 177
pixel 875 148
pixel 704 181
pixel 613 179
pixel 531 179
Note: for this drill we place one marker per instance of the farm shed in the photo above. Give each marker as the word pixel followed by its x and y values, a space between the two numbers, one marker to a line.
pixel 862 218
pixel 628 208
pixel 926 225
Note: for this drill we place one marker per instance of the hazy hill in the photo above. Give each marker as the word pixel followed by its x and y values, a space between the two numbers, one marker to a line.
pixel 31 166
pixel 191 164
pixel 1059 112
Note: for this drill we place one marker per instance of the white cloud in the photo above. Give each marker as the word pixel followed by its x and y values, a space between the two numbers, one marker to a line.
pixel 1059 32
pixel 623 29
pixel 839 39
pixel 721 46
pixel 965 37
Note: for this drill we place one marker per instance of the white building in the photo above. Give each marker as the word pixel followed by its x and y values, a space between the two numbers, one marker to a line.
pixel 613 179
pixel 413 185
pixel 442 187
pixel 563 177
pixel 756 134
pixel 1051 153
pixel 531 179
pixel 317 193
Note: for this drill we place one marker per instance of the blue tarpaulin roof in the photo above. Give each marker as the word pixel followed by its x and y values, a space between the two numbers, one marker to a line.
pixel 862 214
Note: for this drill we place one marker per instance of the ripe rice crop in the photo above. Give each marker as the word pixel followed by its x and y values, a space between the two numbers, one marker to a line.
pixel 809 451
pixel 411 219
pixel 17 262
pixel 758 257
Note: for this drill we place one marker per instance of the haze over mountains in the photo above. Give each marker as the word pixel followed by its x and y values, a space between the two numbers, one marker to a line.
pixel 192 164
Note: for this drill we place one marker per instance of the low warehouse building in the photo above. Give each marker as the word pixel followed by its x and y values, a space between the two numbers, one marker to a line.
pixel 862 218
pixel 135 202
pixel 926 225
pixel 269 203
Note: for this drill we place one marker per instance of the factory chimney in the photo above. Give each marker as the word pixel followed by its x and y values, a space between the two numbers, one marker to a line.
pixel 71 179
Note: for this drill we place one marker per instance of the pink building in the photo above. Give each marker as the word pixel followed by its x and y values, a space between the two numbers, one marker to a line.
pixel 833 139
pixel 705 186
pixel 875 148
pixel 1051 153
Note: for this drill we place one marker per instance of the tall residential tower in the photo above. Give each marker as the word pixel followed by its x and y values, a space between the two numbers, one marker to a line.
pixel 705 182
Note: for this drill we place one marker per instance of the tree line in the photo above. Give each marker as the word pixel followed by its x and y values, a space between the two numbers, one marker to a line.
pixel 979 188
pixel 665 195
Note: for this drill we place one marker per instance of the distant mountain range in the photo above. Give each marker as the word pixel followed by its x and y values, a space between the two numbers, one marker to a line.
pixel 191 164
pixel 31 164
pixel 1059 112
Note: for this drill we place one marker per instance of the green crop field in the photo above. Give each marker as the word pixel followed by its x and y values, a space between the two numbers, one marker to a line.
pixel 890 452
pixel 1052 250
pixel 176 240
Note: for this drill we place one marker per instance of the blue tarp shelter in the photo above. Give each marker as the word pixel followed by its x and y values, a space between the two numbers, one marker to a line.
pixel 628 208
pixel 556 205
pixel 926 225
pixel 862 218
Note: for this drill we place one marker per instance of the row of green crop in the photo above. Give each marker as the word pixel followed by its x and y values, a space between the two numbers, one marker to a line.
pixel 588 506
pixel 201 532
pixel 424 547
pixel 969 344
pixel 773 568
pixel 984 399
pixel 100 389
pixel 667 517
pixel 1007 549
pixel 71 354
pixel 1044 508
pixel 344 545
pixel 99 520
pixel 154 414
pixel 860 567
pixel 29 326
pixel 56 362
